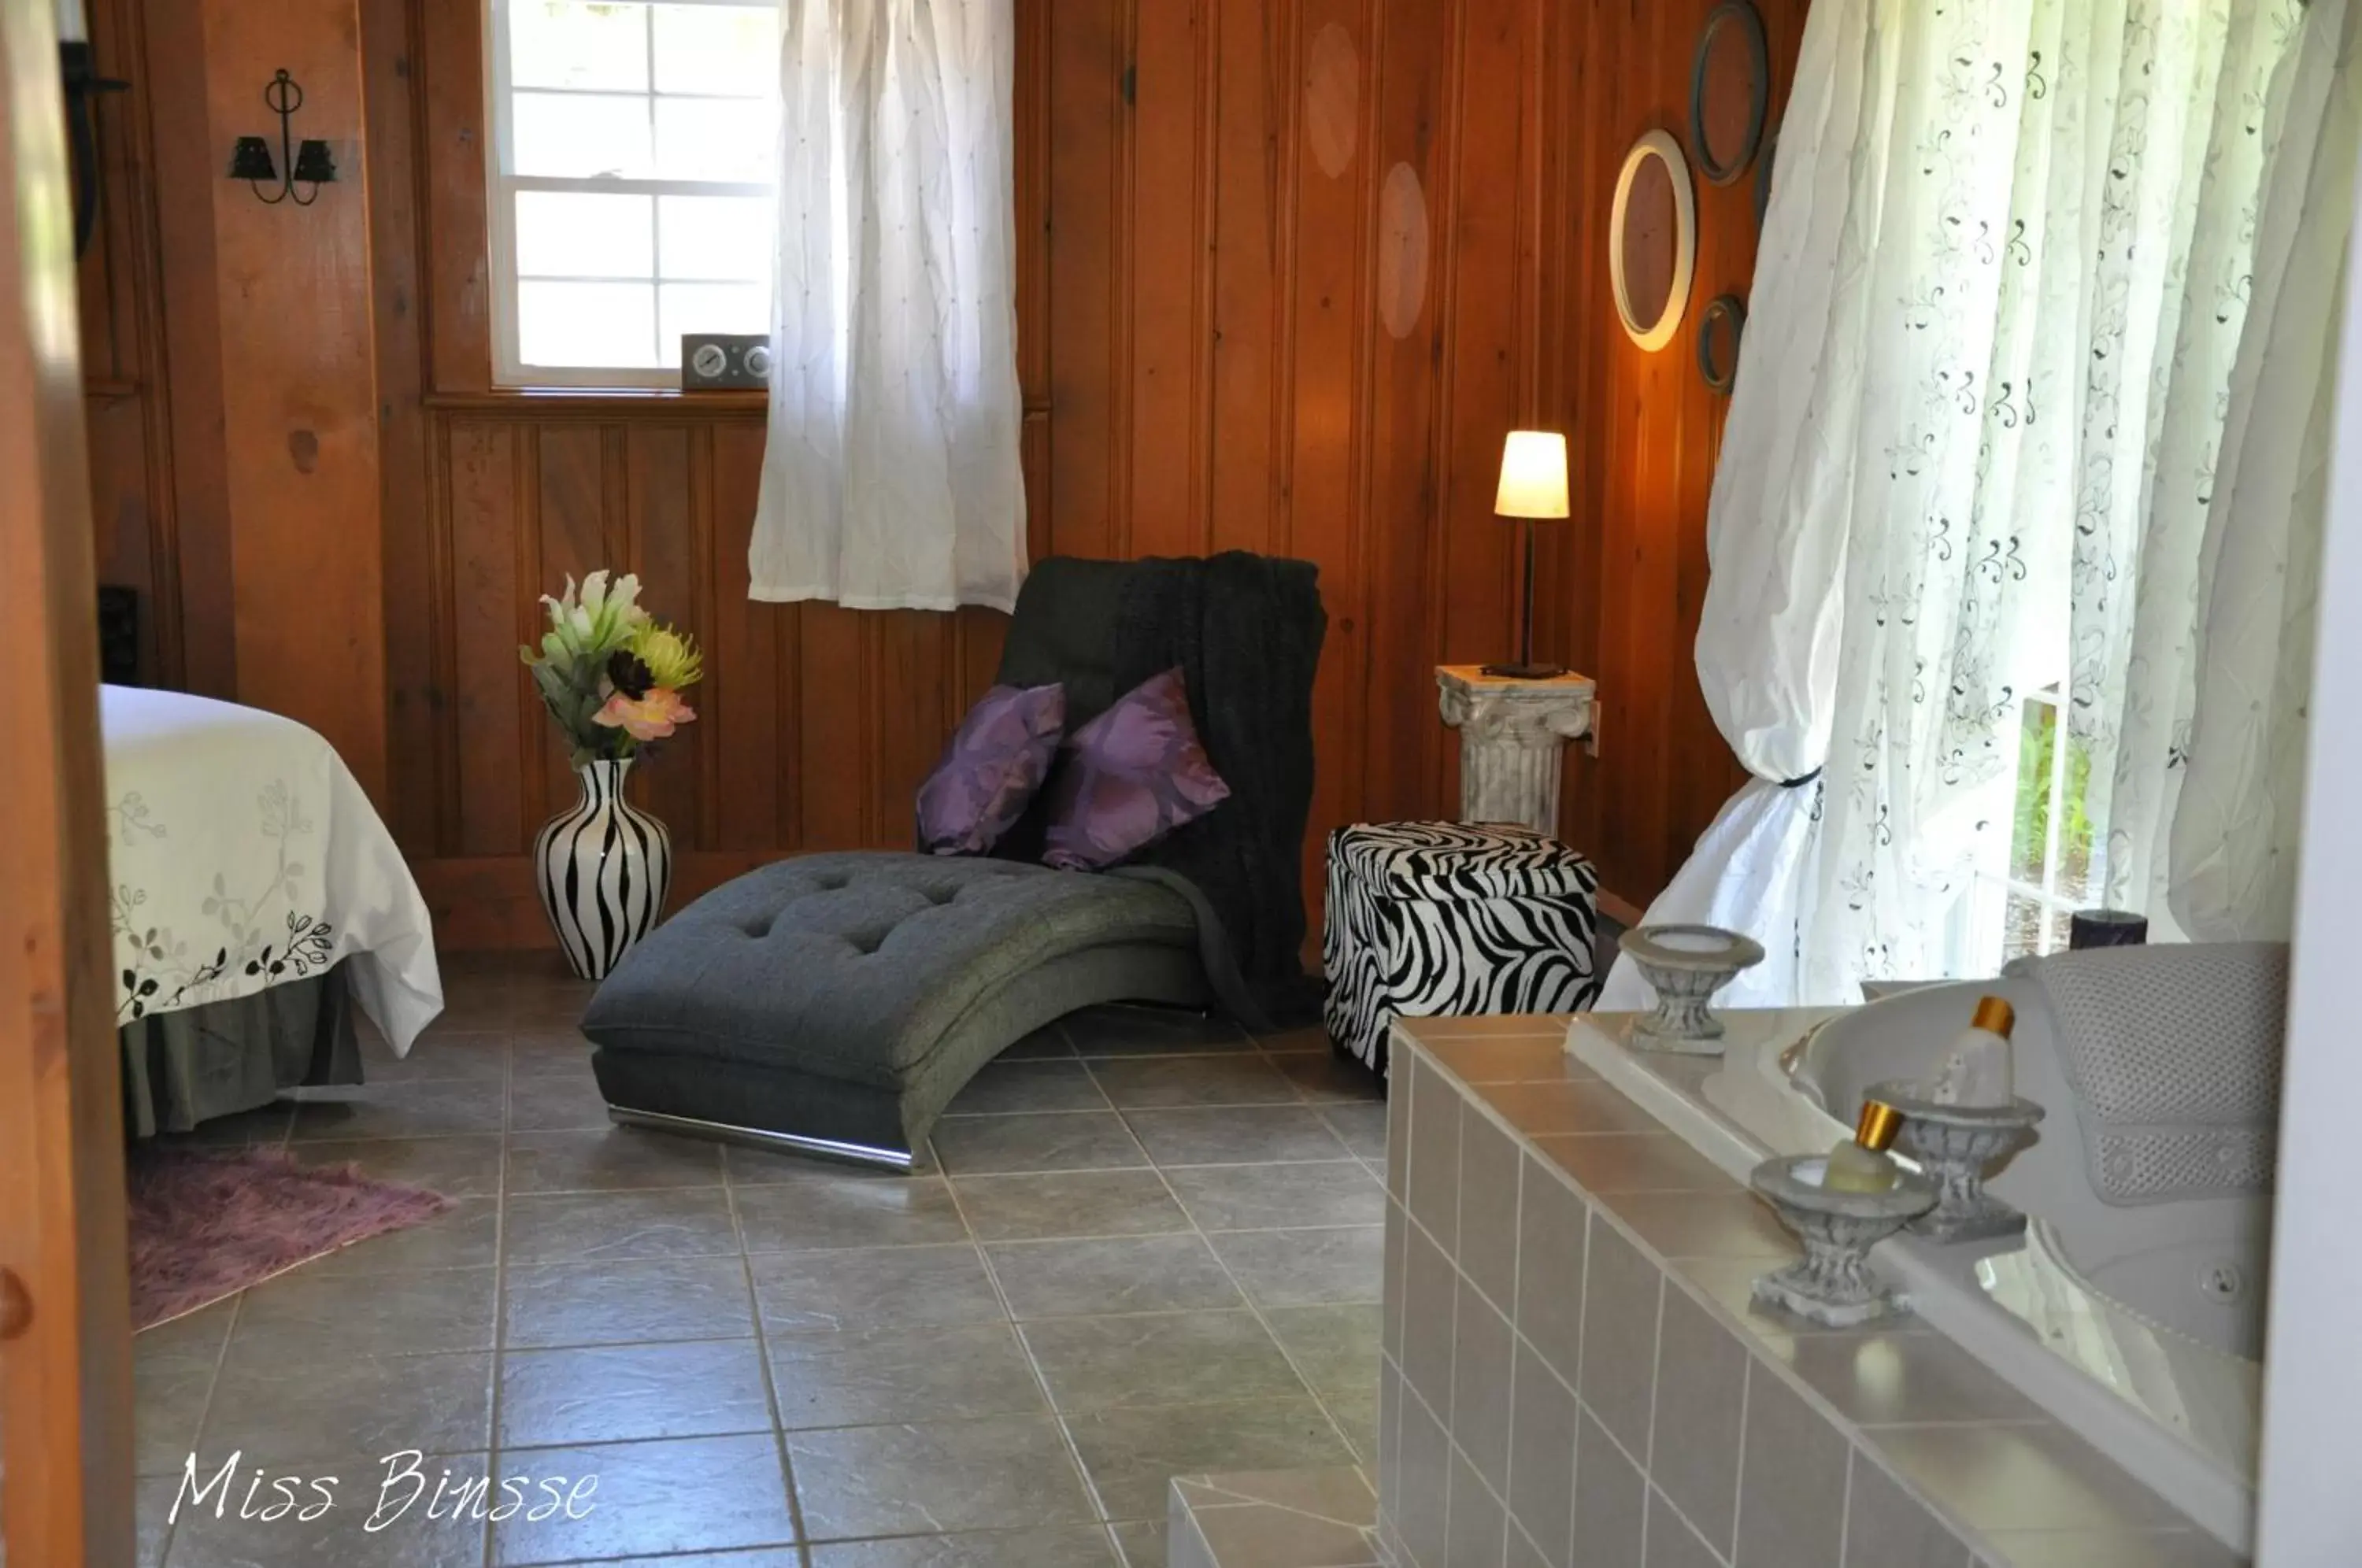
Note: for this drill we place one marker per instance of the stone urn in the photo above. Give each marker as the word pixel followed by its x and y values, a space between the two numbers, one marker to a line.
pixel 1957 1146
pixel 1685 965
pixel 1833 1284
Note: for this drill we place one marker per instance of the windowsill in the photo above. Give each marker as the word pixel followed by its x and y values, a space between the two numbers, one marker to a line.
pixel 608 400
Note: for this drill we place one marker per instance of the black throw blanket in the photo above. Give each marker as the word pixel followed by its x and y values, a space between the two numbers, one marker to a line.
pixel 1245 631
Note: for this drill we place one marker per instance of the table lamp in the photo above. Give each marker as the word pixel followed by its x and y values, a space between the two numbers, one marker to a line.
pixel 1533 485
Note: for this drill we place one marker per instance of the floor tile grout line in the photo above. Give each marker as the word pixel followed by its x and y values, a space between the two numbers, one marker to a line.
pixel 763 1360
pixel 1294 1068
pixel 205 1413
pixel 1319 1400
pixel 500 1294
pixel 1090 1488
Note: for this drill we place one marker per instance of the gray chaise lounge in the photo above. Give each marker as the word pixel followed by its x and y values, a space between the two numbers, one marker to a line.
pixel 834 1003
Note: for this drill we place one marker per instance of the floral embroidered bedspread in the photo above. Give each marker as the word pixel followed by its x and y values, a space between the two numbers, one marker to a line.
pixel 242 854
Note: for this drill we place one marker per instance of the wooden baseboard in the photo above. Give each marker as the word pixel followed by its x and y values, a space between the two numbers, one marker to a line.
pixel 488 903
pixel 1619 910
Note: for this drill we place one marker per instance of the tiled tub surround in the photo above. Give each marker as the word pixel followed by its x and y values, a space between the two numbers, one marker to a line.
pixel 1573 1376
pixel 2165 1380
pixel 1151 1249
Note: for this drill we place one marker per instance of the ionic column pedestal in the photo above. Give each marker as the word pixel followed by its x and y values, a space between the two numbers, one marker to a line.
pixel 1513 736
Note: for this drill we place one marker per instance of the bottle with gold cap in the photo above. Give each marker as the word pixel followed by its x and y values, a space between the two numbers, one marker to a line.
pixel 1860 1164
pixel 1977 1070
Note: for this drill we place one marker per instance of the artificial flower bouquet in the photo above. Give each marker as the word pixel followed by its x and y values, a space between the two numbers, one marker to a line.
pixel 609 673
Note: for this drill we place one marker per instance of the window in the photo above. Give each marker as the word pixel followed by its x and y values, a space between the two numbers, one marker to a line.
pixel 630 190
pixel 2024 908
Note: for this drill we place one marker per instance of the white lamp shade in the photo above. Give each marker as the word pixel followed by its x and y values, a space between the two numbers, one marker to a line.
pixel 1533 475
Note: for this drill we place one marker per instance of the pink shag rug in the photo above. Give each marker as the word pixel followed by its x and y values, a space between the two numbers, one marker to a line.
pixel 205 1224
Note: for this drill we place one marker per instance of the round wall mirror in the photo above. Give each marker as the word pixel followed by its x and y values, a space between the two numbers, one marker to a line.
pixel 1720 327
pixel 1730 91
pixel 1652 240
pixel 1764 178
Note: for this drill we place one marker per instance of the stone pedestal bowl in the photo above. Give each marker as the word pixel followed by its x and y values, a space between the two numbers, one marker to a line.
pixel 1685 965
pixel 1955 1145
pixel 1833 1284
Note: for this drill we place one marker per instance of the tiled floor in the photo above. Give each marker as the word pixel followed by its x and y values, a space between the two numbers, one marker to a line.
pixel 1151 1249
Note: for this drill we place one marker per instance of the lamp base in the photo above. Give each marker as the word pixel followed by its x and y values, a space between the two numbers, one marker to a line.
pixel 1524 671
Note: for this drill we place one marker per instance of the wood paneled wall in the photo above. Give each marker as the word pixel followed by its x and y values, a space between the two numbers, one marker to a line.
pixel 1290 268
pixel 228 348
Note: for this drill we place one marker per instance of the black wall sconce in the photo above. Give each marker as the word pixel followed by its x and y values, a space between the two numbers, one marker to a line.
pixel 307 164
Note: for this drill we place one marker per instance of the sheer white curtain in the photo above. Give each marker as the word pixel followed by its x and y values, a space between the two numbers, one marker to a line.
pixel 2000 293
pixel 891 479
pixel 2220 674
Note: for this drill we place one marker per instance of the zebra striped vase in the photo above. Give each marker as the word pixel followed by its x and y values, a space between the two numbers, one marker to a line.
pixel 604 867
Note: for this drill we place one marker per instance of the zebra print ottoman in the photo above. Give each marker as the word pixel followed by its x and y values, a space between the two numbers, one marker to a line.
pixel 1452 919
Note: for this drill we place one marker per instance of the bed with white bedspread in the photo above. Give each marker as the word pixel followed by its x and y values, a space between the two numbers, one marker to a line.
pixel 243 855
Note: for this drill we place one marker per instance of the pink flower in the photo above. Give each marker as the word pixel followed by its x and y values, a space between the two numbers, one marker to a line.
pixel 647 718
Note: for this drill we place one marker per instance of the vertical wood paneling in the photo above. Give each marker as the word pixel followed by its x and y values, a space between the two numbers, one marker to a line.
pixel 187 299
pixel 299 393
pixel 1253 59
pixel 1400 484
pixel 1089 70
pixel 1333 185
pixel 1033 460
pixel 1487 349
pixel 1170 115
pixel 1030 179
pixel 835 726
pixel 489 706
pixel 1622 585
pixel 451 66
pixel 670 551
pixel 740 705
pixel 390 80
pixel 122 528
pixel 571 540
pixel 1287 271
pixel 911 713
pixel 127 413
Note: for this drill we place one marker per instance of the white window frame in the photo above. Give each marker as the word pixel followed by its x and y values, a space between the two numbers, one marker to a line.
pixel 501 186
pixel 1989 910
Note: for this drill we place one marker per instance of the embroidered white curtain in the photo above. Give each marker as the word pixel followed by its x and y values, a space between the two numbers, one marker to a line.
pixel 1998 301
pixel 890 480
pixel 2221 669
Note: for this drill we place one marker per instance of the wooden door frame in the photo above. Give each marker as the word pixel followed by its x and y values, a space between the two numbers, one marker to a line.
pixel 65 1361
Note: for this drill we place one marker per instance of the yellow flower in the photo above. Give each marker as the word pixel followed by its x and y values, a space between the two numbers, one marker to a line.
pixel 671 656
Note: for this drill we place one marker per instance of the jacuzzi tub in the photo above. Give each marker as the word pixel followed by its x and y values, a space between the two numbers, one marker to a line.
pixel 2138 1327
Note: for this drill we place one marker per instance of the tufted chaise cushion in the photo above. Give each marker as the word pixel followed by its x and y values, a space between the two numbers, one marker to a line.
pixel 808 989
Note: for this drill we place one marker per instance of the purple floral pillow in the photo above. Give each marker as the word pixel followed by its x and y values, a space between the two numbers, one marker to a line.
pixel 1136 772
pixel 991 768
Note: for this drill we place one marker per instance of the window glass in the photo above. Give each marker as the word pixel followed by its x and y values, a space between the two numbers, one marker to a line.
pixel 707 308
pixel 589 325
pixel 715 138
pixel 715 237
pixel 631 174
pixel 566 43
pixel 732 50
pixel 571 234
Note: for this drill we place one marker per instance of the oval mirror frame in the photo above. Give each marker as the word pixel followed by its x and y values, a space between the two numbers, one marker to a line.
pixel 1764 178
pixel 1721 375
pixel 1653 335
pixel 1747 24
